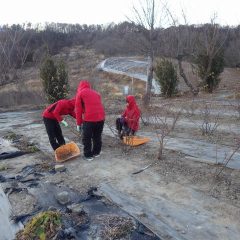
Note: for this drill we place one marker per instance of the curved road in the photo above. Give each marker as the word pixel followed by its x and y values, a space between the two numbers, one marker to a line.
pixel 130 67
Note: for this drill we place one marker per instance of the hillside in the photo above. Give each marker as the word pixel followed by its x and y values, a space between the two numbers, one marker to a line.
pixel 82 64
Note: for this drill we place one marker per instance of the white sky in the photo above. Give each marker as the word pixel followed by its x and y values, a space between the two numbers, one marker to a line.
pixel 106 11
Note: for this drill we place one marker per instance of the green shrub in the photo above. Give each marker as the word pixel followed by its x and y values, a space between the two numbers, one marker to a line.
pixel 211 81
pixel 55 80
pixel 167 77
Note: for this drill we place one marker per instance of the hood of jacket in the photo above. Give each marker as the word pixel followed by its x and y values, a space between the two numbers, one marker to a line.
pixel 131 101
pixel 83 84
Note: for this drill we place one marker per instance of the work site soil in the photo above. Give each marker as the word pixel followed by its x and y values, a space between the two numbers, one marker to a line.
pixel 182 184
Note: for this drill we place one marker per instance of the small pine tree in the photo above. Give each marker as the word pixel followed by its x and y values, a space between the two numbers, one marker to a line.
pixel 211 81
pixel 62 76
pixel 167 77
pixel 55 80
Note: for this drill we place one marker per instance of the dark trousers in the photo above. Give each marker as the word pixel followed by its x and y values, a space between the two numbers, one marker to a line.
pixel 123 129
pixel 54 132
pixel 92 138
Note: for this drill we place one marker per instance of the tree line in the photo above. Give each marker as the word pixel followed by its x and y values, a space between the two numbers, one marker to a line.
pixel 25 45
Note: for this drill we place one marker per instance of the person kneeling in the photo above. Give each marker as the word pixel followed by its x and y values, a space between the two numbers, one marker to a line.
pixel 128 123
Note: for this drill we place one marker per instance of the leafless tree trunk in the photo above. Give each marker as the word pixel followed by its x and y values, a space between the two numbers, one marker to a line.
pixel 183 75
pixel 181 50
pixel 147 16
pixel 147 96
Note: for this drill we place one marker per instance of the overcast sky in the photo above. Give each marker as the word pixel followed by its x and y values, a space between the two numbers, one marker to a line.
pixel 106 11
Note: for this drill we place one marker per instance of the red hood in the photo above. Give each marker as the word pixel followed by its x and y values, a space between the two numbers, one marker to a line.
pixel 83 84
pixel 132 113
pixel 131 101
pixel 88 106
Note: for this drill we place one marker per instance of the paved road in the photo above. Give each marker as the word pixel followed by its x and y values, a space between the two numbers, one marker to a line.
pixel 129 67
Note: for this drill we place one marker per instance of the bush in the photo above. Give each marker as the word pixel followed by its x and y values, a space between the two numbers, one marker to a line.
pixel 167 77
pixel 55 80
pixel 211 81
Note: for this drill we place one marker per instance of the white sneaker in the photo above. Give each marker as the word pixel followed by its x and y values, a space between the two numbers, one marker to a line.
pixel 89 159
pixel 97 155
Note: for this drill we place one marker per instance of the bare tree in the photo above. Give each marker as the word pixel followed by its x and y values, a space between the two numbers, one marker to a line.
pixel 163 122
pixel 210 121
pixel 14 49
pixel 228 157
pixel 163 127
pixel 194 90
pixel 212 43
pixel 184 48
pixel 146 17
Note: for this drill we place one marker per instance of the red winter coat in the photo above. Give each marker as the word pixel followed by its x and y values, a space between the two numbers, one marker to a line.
pixel 58 109
pixel 132 113
pixel 88 107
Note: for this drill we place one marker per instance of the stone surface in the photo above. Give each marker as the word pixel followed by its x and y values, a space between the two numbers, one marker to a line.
pixel 63 197
pixel 75 208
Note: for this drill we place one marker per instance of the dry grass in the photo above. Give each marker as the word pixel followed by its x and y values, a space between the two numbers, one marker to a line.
pixel 115 227
pixel 43 226
pixel 21 142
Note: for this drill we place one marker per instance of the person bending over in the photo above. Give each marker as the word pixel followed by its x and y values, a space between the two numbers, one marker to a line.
pixel 52 116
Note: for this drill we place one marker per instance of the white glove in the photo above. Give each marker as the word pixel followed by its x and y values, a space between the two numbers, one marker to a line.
pixel 64 123
pixel 79 128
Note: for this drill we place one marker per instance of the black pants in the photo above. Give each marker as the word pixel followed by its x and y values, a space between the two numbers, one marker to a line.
pixel 92 138
pixel 54 132
pixel 123 129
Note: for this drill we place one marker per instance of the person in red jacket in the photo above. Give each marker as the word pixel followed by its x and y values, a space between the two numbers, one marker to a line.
pixel 52 116
pixel 90 116
pixel 128 123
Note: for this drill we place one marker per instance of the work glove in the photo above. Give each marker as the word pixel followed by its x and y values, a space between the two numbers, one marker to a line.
pixel 64 123
pixel 79 128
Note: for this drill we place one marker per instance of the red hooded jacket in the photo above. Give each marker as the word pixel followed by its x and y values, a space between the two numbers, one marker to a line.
pixel 59 108
pixel 88 107
pixel 132 113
